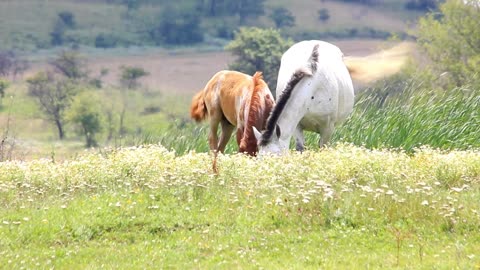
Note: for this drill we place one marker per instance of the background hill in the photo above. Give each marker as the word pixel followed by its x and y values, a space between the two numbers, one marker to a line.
pixel 30 25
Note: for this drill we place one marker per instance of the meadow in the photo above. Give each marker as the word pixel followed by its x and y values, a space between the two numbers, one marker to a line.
pixel 146 207
pixel 398 188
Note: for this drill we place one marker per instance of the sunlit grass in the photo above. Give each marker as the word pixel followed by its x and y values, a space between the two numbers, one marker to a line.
pixel 341 207
pixel 448 120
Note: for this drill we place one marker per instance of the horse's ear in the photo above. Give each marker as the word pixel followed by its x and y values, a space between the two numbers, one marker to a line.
pixel 257 134
pixel 277 131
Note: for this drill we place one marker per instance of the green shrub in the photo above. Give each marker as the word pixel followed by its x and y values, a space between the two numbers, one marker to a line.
pixel 451 41
pixel 259 49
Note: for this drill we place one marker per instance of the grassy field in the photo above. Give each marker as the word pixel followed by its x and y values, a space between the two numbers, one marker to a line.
pixel 398 188
pixel 345 208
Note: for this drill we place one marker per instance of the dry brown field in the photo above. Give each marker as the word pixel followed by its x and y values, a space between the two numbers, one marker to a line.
pixel 186 73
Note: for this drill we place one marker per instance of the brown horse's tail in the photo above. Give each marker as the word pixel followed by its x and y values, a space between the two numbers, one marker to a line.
pixel 198 111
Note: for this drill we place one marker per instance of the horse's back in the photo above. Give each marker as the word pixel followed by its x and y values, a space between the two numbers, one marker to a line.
pixel 225 92
pixel 328 93
pixel 297 57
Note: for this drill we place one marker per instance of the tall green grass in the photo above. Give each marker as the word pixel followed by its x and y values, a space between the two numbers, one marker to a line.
pixel 405 119
pixel 415 117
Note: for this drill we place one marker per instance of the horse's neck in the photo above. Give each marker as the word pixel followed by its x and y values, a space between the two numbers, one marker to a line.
pixel 293 112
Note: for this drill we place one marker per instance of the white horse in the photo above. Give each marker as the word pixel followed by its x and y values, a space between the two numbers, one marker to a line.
pixel 314 92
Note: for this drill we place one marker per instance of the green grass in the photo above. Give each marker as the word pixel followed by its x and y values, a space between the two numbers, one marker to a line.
pixel 345 207
pixel 36 137
pixel 415 117
pixel 407 120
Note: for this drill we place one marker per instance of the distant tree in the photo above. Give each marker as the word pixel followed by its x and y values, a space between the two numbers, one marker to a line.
pixel 71 65
pixel 11 64
pixel 86 113
pixel 104 40
pixel 249 9
pixel 422 4
pixel 57 34
pixel 54 95
pixel 323 15
pixel 3 86
pixel 132 4
pixel 245 9
pixel 177 26
pixel 451 40
pixel 258 50
pixel 129 77
pixel 65 20
pixel 282 17
pixel 6 63
pixel 364 2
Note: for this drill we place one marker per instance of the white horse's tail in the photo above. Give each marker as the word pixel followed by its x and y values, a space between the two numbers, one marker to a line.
pixel 378 65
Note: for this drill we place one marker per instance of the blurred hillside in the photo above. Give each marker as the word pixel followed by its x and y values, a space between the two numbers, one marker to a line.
pixel 29 25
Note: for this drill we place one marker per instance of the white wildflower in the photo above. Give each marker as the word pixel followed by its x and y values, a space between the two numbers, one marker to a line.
pixel 278 201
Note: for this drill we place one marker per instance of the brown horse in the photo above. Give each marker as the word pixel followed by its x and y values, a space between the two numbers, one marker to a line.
pixel 234 99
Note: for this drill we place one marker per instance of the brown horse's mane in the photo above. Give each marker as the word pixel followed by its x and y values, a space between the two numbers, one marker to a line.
pixel 255 110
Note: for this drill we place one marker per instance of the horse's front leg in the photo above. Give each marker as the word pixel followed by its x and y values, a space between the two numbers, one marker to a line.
pixel 227 130
pixel 299 139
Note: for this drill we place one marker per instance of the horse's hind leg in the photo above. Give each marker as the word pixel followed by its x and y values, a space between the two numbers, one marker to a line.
pixel 212 136
pixel 227 130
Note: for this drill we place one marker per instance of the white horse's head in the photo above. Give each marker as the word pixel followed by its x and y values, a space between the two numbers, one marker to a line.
pixel 274 145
